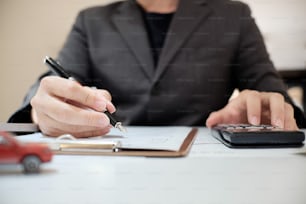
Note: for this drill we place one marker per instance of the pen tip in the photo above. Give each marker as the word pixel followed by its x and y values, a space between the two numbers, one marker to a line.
pixel 122 128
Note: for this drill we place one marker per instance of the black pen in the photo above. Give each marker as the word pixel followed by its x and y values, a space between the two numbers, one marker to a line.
pixel 60 71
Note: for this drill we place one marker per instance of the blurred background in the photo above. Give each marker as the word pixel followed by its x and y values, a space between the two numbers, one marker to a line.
pixel 32 29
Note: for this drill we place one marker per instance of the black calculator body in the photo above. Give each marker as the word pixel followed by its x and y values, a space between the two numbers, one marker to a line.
pixel 256 136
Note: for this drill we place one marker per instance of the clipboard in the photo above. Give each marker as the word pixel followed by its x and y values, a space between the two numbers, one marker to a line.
pixel 116 150
pixel 131 145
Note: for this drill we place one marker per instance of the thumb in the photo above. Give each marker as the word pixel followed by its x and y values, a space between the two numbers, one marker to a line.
pixel 214 118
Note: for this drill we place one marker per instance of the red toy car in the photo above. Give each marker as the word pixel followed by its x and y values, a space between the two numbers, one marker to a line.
pixel 30 155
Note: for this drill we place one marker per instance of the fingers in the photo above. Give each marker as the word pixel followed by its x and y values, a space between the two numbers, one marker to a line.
pixel 71 90
pixel 52 127
pixel 259 103
pixel 230 114
pixel 214 118
pixel 109 106
pixel 253 107
pixel 106 94
pixel 239 110
pixel 73 115
pixel 63 106
pixel 277 108
pixel 69 114
pixel 290 123
pixel 256 108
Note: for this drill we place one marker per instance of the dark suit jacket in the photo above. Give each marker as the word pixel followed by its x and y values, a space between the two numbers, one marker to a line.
pixel 212 47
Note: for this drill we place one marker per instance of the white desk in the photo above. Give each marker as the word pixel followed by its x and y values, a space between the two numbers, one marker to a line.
pixel 210 174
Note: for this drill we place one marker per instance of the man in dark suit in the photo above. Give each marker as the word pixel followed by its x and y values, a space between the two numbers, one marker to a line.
pixel 161 62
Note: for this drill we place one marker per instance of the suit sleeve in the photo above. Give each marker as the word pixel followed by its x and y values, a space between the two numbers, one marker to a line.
pixel 254 68
pixel 73 56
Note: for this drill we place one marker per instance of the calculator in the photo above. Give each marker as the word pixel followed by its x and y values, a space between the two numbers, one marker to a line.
pixel 252 136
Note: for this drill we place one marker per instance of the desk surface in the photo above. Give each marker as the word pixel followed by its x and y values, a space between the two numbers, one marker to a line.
pixel 210 174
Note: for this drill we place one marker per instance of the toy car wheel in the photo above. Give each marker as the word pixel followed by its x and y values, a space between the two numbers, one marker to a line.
pixel 31 164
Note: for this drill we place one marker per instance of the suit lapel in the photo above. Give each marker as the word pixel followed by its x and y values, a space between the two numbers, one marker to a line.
pixel 189 14
pixel 128 20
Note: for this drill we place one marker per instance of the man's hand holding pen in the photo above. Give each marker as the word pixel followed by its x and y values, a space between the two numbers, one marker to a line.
pixel 63 106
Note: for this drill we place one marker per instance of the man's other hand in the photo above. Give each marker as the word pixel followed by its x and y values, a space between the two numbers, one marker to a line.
pixel 255 108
